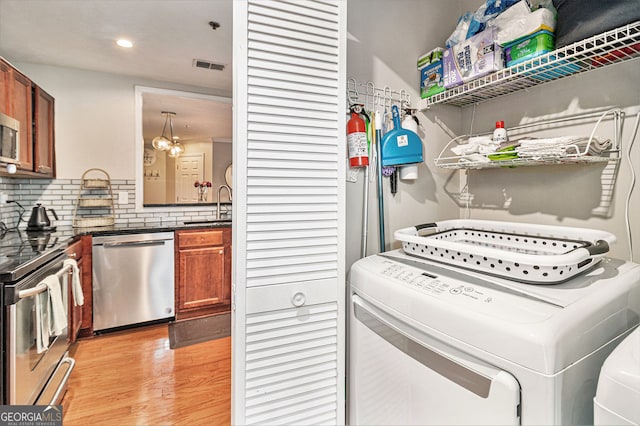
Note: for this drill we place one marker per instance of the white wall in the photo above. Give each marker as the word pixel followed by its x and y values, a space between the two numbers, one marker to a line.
pixel 222 154
pixel 590 196
pixel 571 195
pixel 95 117
pixel 155 180
pixel 385 40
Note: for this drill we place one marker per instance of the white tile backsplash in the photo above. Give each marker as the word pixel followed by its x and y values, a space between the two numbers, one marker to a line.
pixel 62 194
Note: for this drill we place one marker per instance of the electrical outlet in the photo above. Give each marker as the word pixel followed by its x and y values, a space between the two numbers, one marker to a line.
pixel 123 197
pixel 3 198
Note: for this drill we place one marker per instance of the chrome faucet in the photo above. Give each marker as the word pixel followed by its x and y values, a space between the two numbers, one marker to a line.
pixel 220 188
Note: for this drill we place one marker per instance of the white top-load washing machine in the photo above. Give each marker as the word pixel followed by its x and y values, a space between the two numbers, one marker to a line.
pixel 432 343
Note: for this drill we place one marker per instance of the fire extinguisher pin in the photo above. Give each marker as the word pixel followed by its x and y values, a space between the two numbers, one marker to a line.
pixel 357 108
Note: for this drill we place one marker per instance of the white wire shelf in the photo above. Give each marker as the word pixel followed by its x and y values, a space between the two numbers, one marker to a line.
pixel 618 45
pixel 574 154
pixel 455 163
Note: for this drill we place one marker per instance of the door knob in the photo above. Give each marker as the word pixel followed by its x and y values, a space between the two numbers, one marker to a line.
pixel 298 299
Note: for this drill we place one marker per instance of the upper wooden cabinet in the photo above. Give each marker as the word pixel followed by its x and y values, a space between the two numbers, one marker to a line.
pixel 203 272
pixel 23 100
pixel 5 79
pixel 44 137
pixel 22 110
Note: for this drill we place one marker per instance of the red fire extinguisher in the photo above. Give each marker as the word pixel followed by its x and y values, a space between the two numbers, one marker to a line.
pixel 357 141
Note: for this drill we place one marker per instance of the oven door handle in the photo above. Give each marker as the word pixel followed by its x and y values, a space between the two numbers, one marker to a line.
pixel 40 288
pixel 65 379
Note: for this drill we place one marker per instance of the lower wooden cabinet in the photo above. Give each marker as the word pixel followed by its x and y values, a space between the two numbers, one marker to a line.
pixel 74 251
pixel 203 272
pixel 86 326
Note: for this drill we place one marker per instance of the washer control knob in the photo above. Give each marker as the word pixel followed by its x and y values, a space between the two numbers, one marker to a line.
pixel 298 299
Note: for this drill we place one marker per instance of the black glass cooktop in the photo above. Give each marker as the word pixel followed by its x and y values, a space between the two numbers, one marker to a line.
pixel 23 252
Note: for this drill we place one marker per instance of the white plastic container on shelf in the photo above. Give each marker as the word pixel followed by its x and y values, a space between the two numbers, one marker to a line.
pixel 500 133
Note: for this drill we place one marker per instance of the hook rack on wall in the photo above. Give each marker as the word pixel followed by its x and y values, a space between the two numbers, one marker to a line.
pixel 371 96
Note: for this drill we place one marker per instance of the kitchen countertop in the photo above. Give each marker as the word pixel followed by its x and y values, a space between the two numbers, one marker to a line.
pixel 19 247
pixel 67 234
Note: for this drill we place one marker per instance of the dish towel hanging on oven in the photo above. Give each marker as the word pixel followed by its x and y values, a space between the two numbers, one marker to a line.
pixel 76 285
pixel 42 321
pixel 51 317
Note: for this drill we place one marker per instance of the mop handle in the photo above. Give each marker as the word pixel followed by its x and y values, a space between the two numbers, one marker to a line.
pixel 379 123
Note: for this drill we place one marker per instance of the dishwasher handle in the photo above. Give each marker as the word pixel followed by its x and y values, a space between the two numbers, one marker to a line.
pixel 133 244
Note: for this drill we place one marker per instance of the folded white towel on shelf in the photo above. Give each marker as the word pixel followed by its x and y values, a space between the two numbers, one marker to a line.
pixel 42 322
pixel 563 146
pixel 476 144
pixel 473 158
pixel 57 312
pixel 76 284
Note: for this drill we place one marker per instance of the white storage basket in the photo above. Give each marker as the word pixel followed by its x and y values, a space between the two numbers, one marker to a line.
pixel 537 254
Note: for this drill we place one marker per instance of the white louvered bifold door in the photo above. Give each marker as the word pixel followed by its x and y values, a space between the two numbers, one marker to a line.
pixel 288 231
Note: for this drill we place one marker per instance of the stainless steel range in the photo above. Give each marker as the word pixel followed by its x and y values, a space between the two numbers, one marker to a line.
pixel 35 361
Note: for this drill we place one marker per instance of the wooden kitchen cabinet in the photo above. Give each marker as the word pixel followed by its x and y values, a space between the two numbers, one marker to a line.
pixel 34 109
pixel 21 109
pixel 5 83
pixel 203 272
pixel 75 251
pixel 44 133
pixel 86 326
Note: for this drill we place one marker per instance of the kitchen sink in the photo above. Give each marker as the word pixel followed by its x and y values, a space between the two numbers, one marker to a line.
pixel 209 222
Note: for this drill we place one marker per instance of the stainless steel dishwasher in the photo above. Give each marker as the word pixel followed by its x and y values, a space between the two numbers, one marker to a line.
pixel 133 277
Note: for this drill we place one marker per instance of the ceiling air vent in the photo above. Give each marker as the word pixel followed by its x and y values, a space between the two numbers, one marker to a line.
pixel 208 65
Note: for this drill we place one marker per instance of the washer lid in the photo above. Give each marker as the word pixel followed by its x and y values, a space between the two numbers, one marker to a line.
pixel 545 328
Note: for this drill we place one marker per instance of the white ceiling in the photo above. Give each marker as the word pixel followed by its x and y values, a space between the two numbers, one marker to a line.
pixel 192 122
pixel 167 35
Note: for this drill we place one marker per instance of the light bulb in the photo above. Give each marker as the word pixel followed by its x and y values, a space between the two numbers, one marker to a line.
pixel 176 150
pixel 161 143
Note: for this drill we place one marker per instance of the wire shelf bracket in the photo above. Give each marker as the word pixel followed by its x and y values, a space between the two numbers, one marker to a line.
pixel 371 96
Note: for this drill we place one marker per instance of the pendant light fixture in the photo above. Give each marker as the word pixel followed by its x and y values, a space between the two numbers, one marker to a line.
pixel 176 149
pixel 163 143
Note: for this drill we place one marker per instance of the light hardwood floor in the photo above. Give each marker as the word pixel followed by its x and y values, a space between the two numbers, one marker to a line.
pixel 134 378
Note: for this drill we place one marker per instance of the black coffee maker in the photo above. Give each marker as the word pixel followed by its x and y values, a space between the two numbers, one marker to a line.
pixel 39 221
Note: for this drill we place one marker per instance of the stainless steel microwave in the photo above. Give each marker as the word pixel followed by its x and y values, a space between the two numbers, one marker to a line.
pixel 9 139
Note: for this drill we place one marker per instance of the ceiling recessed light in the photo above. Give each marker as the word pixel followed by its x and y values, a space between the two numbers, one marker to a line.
pixel 124 43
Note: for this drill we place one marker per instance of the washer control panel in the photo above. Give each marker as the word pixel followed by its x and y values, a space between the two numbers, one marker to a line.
pixel 433 284
pixel 395 283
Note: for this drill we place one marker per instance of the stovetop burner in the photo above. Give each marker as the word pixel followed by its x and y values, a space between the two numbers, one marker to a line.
pixel 21 252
